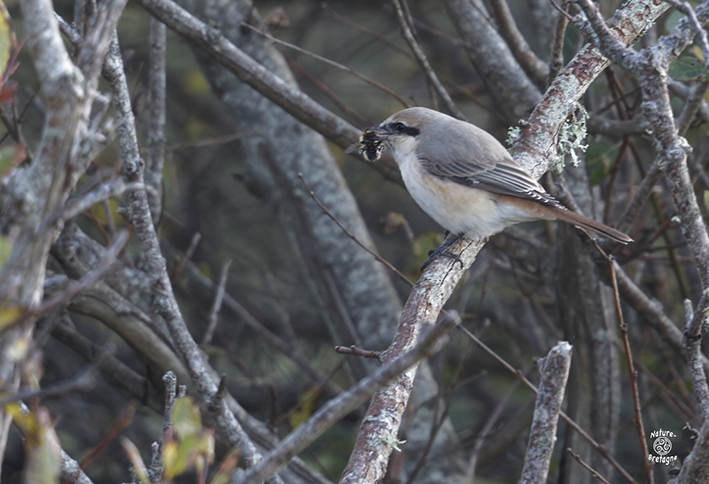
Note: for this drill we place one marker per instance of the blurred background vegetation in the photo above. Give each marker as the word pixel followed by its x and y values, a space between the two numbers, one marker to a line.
pixel 510 298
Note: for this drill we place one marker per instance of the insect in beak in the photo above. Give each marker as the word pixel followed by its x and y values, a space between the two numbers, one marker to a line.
pixel 370 143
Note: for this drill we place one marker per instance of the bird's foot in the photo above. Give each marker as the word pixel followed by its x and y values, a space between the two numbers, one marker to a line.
pixel 442 251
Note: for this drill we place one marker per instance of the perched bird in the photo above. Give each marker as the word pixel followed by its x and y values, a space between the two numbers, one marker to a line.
pixel 463 178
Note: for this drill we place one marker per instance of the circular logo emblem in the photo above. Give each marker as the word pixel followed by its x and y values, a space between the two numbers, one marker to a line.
pixel 662 446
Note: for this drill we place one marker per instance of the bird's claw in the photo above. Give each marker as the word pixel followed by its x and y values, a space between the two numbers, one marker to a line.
pixel 443 251
pixel 433 254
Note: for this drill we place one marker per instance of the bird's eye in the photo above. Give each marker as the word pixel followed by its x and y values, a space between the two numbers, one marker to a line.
pixel 399 127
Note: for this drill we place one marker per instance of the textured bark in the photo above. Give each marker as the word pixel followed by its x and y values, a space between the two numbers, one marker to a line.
pixel 507 82
pixel 589 325
pixel 554 371
pixel 284 147
pixel 354 293
pixel 536 147
pixel 370 456
pixel 32 194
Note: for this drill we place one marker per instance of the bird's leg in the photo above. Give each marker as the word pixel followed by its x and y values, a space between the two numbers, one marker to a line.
pixel 442 251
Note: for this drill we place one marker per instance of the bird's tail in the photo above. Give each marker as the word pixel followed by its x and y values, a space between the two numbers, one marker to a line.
pixel 586 223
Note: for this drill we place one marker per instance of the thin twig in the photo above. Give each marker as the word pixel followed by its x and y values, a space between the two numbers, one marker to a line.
pixel 691 107
pixel 598 447
pixel 490 422
pixel 340 406
pixel 170 381
pixel 686 8
pixel 177 272
pixel 84 381
pixel 557 50
pixel 535 68
pixel 110 435
pixel 631 371
pixel 326 91
pixel 642 193
pixel 591 469
pixel 423 61
pixel 350 235
pixel 103 267
pixel 213 141
pixel 104 192
pixel 371 33
pixel 216 306
pixel 353 350
pixel 329 62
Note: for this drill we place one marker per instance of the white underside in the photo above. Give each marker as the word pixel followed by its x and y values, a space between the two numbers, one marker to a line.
pixel 457 208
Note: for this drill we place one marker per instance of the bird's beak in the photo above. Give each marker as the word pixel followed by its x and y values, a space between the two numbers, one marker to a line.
pixel 371 143
pixel 381 131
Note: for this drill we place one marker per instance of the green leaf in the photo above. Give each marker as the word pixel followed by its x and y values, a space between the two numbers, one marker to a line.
pixel 9 313
pixel 688 67
pixel 185 418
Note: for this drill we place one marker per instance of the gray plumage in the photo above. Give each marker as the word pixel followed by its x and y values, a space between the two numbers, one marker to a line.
pixel 464 178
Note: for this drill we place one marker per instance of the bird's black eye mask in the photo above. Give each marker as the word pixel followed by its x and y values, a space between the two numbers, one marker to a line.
pixel 401 128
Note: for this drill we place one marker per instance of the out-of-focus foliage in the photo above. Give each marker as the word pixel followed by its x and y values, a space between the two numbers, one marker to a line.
pixel 512 298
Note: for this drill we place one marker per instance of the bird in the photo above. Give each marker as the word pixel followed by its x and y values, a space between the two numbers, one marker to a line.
pixel 463 178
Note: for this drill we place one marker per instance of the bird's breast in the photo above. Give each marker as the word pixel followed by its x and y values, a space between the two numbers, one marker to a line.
pixel 458 208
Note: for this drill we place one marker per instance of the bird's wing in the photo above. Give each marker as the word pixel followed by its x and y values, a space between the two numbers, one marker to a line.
pixel 501 176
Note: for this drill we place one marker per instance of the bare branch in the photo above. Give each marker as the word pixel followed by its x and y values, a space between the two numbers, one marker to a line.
pixel 338 407
pixel 83 381
pixel 554 370
pixel 695 467
pixel 693 105
pixel 405 25
pixel 518 374
pixel 353 350
pixel 631 372
pixel 535 150
pixel 508 84
pixel 165 304
pixel 693 352
pixel 187 257
pixel 71 471
pixel 350 235
pixel 170 396
pixel 369 458
pixel 156 137
pixel 593 472
pixel 61 298
pixel 556 61
pixel 329 62
pixel 686 8
pixel 216 306
pixel 289 98
pixel 108 190
pixel 537 69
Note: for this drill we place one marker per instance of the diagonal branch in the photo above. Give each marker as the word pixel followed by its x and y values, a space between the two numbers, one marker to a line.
pixel 536 68
pixel 164 302
pixel 338 407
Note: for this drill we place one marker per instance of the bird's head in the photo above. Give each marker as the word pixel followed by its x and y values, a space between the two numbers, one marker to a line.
pixel 400 130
